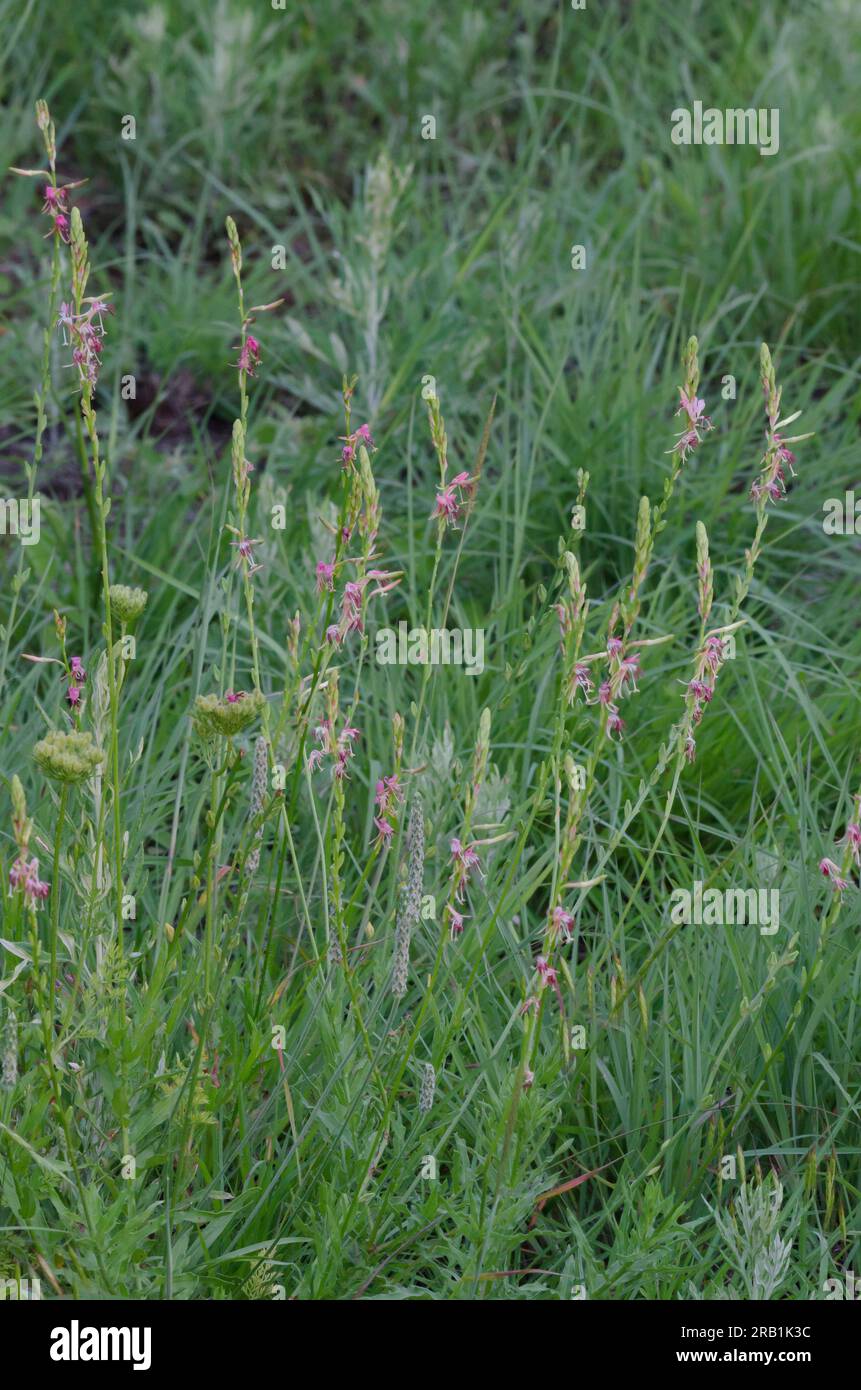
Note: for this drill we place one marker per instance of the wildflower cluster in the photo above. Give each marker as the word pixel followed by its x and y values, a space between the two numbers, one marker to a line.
pixel 354 598
pixel 388 795
pixel 701 687
pixel 337 747
pixel 770 486
pixel 697 423
pixel 351 443
pixel 83 333
pixel 451 498
pixel 24 873
pixel 838 874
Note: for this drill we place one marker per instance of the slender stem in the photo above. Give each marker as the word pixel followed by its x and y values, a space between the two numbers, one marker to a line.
pixel 55 895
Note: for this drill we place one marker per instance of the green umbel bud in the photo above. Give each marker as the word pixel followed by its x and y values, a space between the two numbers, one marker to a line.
pixel 69 757
pixel 228 715
pixel 127 604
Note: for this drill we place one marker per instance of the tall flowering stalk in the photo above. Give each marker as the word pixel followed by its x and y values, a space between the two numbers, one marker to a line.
pixel 87 360
pixel 770 486
pixel 56 204
pixel 247 364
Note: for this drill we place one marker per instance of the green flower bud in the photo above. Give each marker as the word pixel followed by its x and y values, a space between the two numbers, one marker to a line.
pixel 214 715
pixel 71 757
pixel 127 604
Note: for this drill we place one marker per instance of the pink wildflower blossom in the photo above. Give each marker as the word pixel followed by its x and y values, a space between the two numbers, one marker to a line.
pixel 562 922
pixel 386 830
pixel 832 873
pixel 325 576
pixel 455 921
pixel 388 794
pixel 853 839
pixel 84 333
pixel 629 672
pixel 580 680
pixel 351 608
pixel 448 505
pixel 465 859
pixel 24 875
pixel 352 441
pixel 249 356
pixel 615 722
pixel 245 551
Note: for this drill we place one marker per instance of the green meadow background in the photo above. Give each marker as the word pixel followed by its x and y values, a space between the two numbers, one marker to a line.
pixel 405 258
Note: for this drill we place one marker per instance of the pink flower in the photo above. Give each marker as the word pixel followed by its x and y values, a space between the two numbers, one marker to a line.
pixel 693 408
pixel 545 971
pixel 528 1078
pixel 615 722
pixel 234 696
pixel 530 1005
pixel 701 691
pixel 76 667
pixel 352 441
pixel 629 671
pixel 562 921
pixel 455 921
pixel 853 839
pixel 447 507
pixel 614 648
pixel 713 653
pixel 340 748
pixel 465 859
pixel 84 333
pixel 56 200
pixel 690 748
pixel 245 549
pixel 325 576
pixel 334 635
pixel 548 976
pixel 832 872
pixel 386 830
pixel 580 680
pixel 351 608
pixel 387 794
pixel 249 356
pixel 25 876
pixel 783 454
pixel 686 441
pixel 605 693
pixel 73 695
